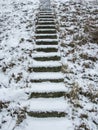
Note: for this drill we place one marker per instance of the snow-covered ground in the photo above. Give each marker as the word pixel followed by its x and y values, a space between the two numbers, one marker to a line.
pixel 78 31
pixel 79 51
pixel 17 26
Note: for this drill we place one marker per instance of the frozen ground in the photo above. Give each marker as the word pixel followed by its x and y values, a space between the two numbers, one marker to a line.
pixel 77 29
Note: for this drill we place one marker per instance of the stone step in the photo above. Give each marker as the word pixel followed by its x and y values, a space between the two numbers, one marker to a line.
pixel 45 27
pixel 46 75
pixel 46 16
pixel 46 87
pixel 47 94
pixel 47 80
pixel 45 19
pixel 47 69
pixel 46 36
pixel 38 77
pixel 46 63
pixel 47 50
pixel 46 42
pixel 52 123
pixel 46 66
pixel 45 23
pixel 46 114
pixel 45 11
pixel 54 58
pixel 45 57
pixel 44 107
pixel 45 31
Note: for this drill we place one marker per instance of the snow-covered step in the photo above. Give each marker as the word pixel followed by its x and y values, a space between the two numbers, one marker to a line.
pixel 47 56
pixel 45 19
pixel 47 124
pixel 47 94
pixel 47 90
pixel 46 36
pixel 44 107
pixel 46 22
pixel 48 66
pixel 46 48
pixel 46 114
pixel 51 104
pixel 46 63
pixel 45 42
pixel 47 69
pixel 45 11
pixel 42 54
pixel 47 87
pixel 45 31
pixel 46 16
pixel 46 76
pixel 45 27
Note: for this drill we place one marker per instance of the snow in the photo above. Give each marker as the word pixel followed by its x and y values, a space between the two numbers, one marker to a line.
pixel 46 64
pixel 42 104
pixel 42 54
pixel 17 44
pixel 47 87
pixel 45 25
pixel 46 124
pixel 46 46
pixel 46 75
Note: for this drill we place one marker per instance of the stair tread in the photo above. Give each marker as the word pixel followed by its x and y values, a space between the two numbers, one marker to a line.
pixel 46 75
pixel 47 40
pixel 46 22
pixel 46 64
pixel 45 25
pixel 46 46
pixel 42 54
pixel 44 29
pixel 47 87
pixel 45 104
pixel 48 123
pixel 46 34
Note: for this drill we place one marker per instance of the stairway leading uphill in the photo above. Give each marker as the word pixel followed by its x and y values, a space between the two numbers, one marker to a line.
pixel 47 96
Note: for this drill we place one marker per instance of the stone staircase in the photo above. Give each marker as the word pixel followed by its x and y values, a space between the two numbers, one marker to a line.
pixel 48 88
